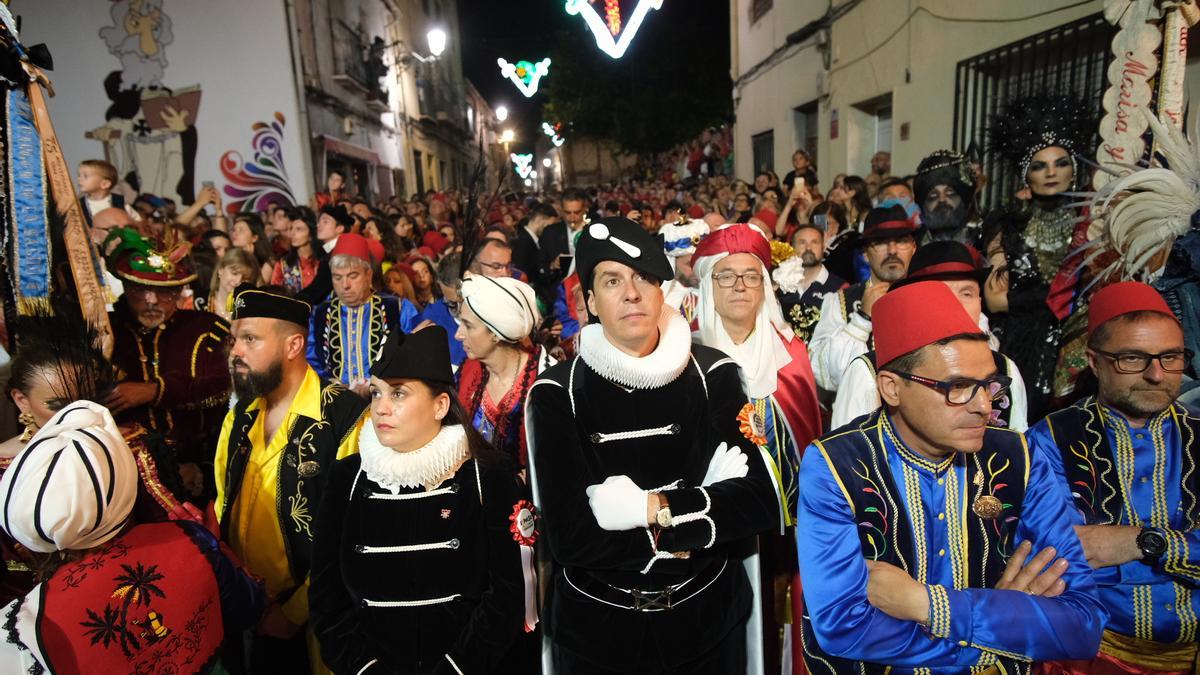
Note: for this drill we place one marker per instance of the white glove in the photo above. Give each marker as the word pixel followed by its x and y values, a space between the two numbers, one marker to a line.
pixel 726 463
pixel 618 504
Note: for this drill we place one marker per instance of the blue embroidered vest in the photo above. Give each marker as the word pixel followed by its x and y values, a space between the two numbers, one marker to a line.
pixel 1091 468
pixel 859 461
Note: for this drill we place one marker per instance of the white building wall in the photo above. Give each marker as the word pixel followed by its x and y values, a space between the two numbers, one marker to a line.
pixel 873 53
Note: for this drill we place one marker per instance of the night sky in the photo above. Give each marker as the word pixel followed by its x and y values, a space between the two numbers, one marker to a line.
pixel 529 29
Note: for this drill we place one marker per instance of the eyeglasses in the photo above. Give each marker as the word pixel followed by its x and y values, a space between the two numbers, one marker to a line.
pixel 498 267
pixel 1130 363
pixel 962 391
pixel 729 279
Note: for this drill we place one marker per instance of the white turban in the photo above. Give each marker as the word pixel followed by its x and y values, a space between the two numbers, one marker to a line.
pixel 73 486
pixel 507 306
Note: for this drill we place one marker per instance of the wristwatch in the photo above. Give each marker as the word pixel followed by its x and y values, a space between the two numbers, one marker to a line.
pixel 1152 542
pixel 662 517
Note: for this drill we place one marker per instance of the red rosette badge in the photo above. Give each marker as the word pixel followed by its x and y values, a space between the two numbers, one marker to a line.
pixel 752 425
pixel 523 523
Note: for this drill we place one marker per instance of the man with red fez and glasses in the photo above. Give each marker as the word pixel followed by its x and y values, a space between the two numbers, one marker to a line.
pixel 349 329
pixel 648 489
pixel 170 361
pixel 844 331
pixel 919 521
pixel 1129 457
pixel 958 267
pixel 739 315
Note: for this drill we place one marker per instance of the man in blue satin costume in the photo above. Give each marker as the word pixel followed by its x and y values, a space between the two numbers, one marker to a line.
pixel 917 521
pixel 1129 456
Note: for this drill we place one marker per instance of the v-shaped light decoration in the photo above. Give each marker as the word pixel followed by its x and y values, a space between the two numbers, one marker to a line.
pixel 606 38
pixel 523 164
pixel 553 134
pixel 524 74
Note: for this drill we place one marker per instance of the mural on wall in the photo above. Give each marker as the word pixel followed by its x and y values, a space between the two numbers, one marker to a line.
pixel 252 186
pixel 149 131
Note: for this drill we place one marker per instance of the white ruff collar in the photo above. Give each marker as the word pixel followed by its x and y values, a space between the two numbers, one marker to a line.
pixel 424 466
pixel 657 369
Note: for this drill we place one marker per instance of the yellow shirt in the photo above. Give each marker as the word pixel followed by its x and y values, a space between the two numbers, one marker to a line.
pixel 255 533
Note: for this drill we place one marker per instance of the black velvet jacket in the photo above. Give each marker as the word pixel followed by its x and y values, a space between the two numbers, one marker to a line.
pixel 573 412
pixel 473 572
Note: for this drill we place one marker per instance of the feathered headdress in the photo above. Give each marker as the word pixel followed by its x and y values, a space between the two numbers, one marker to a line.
pixel 135 258
pixel 1141 214
pixel 1026 126
pixel 65 346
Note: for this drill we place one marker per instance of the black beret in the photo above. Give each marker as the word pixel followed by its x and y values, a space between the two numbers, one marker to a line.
pixel 620 240
pixel 421 355
pixel 254 303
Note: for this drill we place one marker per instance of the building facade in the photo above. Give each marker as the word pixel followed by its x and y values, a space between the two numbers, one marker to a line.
pixel 846 79
pixel 261 99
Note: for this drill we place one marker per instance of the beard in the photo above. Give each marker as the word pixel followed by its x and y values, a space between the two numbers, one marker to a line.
pixel 945 218
pixel 1143 403
pixel 892 269
pixel 254 384
pixel 809 259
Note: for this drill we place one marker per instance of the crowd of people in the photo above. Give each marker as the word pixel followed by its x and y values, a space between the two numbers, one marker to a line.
pixel 679 423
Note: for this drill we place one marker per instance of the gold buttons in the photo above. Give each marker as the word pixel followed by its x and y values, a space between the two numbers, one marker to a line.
pixel 941 516
pixel 942 552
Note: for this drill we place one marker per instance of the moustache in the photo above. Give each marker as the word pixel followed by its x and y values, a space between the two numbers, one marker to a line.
pixel 893 258
pixel 236 362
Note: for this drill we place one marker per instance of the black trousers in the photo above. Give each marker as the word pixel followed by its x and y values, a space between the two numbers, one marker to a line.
pixel 727 657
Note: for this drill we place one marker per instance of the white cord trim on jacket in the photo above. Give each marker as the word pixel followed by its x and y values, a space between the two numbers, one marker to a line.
pixel 665 430
pixel 699 515
pixel 411 603
pixel 454 665
pixel 410 548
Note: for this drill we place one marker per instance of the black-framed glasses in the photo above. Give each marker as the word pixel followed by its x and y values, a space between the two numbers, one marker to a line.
pixel 1131 363
pixel 962 391
pixel 729 279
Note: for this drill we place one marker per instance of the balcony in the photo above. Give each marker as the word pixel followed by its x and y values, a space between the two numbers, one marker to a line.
pixel 349 50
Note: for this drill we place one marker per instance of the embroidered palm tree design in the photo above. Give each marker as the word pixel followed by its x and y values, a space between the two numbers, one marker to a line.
pixel 110 627
pixel 136 586
pixel 301 517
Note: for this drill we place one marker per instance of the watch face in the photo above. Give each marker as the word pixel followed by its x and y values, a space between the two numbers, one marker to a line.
pixel 1152 543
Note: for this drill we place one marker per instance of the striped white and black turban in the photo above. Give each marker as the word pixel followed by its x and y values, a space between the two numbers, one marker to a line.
pixel 507 306
pixel 73 486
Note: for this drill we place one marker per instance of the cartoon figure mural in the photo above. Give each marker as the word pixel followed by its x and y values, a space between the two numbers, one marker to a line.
pixel 149 132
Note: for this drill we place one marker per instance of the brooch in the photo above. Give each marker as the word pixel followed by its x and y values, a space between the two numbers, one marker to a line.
pixel 987 507
pixel 523 523
pixel 308 469
pixel 752 424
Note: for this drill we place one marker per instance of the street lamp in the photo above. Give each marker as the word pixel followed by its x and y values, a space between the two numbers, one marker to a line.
pixel 507 136
pixel 501 113
pixel 437 41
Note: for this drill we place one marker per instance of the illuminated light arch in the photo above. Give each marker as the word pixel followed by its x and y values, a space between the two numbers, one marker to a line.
pixel 606 38
pixel 524 74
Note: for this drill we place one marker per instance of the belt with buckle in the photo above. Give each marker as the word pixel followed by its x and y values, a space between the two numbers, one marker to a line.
pixel 638 600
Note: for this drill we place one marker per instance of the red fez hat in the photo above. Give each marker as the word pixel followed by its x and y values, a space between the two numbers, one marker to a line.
pixel 769 217
pixel 740 238
pixel 435 241
pixel 1122 298
pixel 913 316
pixel 696 211
pixel 360 247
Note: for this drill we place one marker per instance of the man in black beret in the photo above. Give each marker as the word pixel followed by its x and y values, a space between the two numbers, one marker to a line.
pixel 645 492
pixel 945 192
pixel 888 242
pixel 275 448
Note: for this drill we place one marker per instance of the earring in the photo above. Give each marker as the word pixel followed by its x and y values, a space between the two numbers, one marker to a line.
pixel 30 426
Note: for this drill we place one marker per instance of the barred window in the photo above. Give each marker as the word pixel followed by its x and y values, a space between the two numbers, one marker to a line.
pixel 1072 58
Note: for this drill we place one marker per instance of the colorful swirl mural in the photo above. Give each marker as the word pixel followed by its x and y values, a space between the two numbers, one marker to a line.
pixel 251 186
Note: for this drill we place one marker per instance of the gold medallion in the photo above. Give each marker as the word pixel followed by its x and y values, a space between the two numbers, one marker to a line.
pixel 987 507
pixel 308 469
